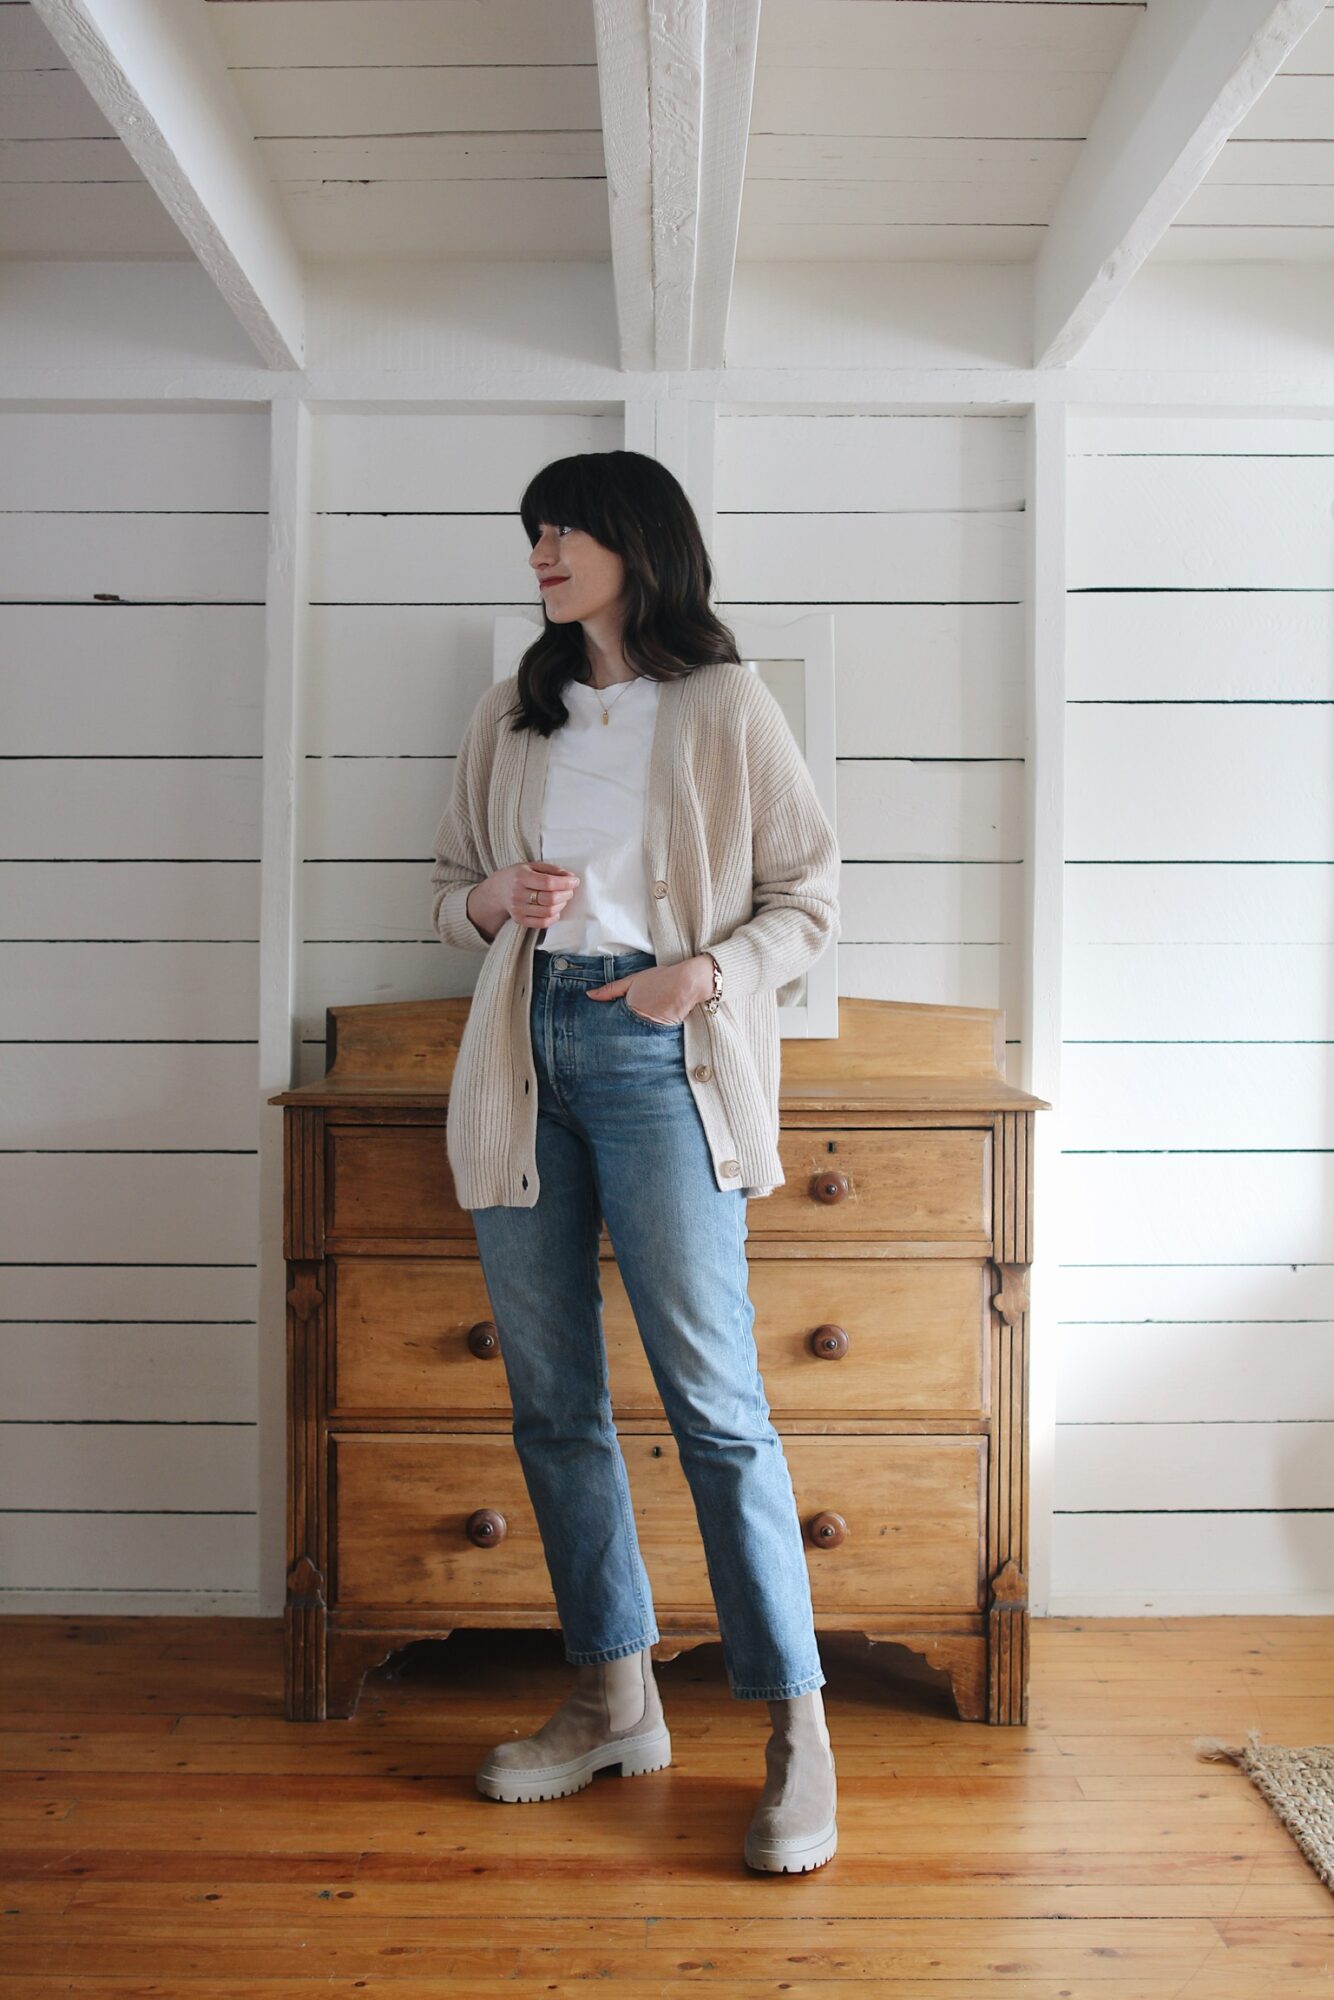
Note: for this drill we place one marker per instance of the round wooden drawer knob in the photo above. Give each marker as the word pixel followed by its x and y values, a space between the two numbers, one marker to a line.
pixel 486 1528
pixel 829 1342
pixel 484 1340
pixel 829 1186
pixel 826 1531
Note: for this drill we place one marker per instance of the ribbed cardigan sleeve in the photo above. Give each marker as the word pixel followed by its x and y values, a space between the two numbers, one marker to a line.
pixel 795 863
pixel 459 866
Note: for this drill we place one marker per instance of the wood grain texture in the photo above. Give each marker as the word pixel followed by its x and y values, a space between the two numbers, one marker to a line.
pixel 164 1826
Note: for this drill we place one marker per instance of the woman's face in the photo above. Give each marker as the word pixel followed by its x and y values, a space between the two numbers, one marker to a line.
pixel 577 577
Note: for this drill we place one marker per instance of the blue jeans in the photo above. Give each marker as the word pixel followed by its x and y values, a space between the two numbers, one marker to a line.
pixel 619 1136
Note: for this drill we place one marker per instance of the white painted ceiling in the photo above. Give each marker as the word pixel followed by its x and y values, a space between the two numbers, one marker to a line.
pixel 880 130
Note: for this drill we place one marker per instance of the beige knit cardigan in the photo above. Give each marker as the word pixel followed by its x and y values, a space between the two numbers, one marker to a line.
pixel 741 861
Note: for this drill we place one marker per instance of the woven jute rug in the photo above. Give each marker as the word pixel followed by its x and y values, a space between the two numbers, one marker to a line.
pixel 1299 1785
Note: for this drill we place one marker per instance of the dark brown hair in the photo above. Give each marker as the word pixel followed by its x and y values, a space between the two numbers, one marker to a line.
pixel 637 508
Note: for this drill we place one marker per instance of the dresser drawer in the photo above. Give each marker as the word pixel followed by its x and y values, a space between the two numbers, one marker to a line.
pixel 864 1337
pixel 929 1184
pixel 911 1511
pixel 391 1181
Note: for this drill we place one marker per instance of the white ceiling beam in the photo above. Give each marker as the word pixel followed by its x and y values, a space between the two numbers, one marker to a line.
pixel 157 75
pixel 675 78
pixel 1189 75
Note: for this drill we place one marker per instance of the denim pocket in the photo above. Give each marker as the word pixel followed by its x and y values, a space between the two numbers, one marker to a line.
pixel 645 1021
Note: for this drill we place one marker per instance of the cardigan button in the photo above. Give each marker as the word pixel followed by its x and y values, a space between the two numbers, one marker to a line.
pixel 703 1071
pixel 660 888
pixel 731 1166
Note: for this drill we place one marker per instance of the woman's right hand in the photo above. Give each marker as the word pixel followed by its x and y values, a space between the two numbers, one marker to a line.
pixel 510 892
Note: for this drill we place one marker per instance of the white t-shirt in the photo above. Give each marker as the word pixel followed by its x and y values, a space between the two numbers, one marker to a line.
pixel 593 816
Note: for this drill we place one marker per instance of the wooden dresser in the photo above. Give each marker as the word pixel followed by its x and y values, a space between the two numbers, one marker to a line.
pixel 890 1283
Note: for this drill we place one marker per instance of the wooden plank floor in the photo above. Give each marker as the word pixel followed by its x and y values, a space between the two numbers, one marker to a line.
pixel 165 1831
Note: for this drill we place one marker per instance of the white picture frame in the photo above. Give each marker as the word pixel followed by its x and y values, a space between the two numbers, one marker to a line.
pixel 795 658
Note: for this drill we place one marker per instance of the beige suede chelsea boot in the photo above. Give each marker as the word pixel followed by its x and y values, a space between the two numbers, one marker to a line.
pixel 612 1716
pixel 794 1826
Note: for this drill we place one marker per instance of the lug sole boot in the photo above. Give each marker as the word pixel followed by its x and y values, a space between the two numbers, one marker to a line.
pixel 794 1827
pixel 612 1717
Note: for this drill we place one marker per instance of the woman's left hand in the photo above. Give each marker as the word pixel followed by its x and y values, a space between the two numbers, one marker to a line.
pixel 664 993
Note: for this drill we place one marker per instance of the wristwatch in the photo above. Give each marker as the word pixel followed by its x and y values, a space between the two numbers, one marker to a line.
pixel 711 1004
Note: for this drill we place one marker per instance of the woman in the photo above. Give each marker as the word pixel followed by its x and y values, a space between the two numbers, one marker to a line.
pixel 635 842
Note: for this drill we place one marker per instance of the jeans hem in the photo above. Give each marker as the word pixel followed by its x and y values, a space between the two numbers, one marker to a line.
pixel 781 1690
pixel 612 1652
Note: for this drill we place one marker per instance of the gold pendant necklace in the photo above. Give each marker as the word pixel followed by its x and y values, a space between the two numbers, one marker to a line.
pixel 606 715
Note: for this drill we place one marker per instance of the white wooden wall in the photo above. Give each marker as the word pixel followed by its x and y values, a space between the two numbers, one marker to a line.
pixel 1189 1233
pixel 911 529
pixel 1195 1406
pixel 416 545
pixel 130 861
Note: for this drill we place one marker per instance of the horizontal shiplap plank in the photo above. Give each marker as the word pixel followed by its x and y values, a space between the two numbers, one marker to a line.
pixel 1183 1374
pixel 25 40
pixel 1004 42
pixel 1169 1468
pixel 1248 522
pixel 193 1468
pixel 381 676
pixel 453 462
pixel 49 102
pixel 1234 1207
pixel 1208 432
pixel 1217 244
pixel 71 222
pixel 1198 992
pixel 172 557
pixel 131 679
pixel 314 99
pixel 477 559
pixel 100 161
pixel 1180 1094
pixel 818 217
pixel 128 1374
pixel 189 993
pixel 1295 103
pixel 1185 903
pixel 135 461
pixel 952 96
pixel 408 161
pixel 128 1208
pixel 101 1553
pixel 130 900
pixel 132 808
pixel 148 1096
pixel 370 34
pixel 798 462
pixel 960 246
pixel 1124 1565
pixel 1200 783
pixel 1277 1293
pixel 854 557
pixel 119 1293
pixel 1200 645
pixel 506 221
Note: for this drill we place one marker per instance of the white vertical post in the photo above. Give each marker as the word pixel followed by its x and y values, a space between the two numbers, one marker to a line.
pixel 686 444
pixel 1043 952
pixel 279 943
